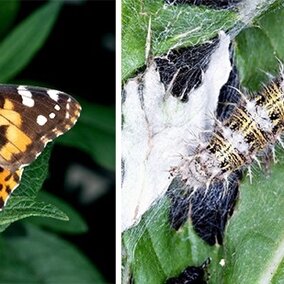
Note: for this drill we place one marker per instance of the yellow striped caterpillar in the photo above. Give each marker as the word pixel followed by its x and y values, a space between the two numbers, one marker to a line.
pixel 254 125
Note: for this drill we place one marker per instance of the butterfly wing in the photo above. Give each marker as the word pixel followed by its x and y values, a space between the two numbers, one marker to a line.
pixel 30 117
pixel 9 181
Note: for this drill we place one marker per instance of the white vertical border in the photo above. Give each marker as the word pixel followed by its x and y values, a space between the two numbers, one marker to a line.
pixel 118 140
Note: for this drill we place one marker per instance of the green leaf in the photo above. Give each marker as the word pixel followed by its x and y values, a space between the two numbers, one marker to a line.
pixel 253 246
pixel 171 27
pixel 254 242
pixel 34 176
pixel 8 13
pixel 75 224
pixel 258 48
pixel 94 133
pixel 18 48
pixel 22 203
pixel 279 275
pixel 20 207
pixel 39 257
pixel 155 252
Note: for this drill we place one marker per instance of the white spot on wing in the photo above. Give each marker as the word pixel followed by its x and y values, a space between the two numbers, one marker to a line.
pixel 45 140
pixel 41 120
pixel 67 115
pixel 57 107
pixel 26 96
pixel 53 94
pixel 57 132
pixel 52 115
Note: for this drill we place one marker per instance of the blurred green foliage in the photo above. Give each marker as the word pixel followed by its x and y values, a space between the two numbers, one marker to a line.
pixel 94 133
pixel 38 256
pixel 260 47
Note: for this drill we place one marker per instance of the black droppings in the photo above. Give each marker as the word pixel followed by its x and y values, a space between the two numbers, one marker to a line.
pixel 181 70
pixel 211 208
pixel 192 275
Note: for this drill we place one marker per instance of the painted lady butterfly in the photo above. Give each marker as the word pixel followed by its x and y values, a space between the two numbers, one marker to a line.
pixel 30 117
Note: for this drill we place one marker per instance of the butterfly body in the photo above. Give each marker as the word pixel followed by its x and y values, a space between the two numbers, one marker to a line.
pixel 30 117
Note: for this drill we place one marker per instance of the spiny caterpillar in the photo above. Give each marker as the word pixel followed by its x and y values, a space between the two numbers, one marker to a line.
pixel 254 125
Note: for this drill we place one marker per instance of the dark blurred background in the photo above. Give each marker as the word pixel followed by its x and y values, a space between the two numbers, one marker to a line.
pixel 79 58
